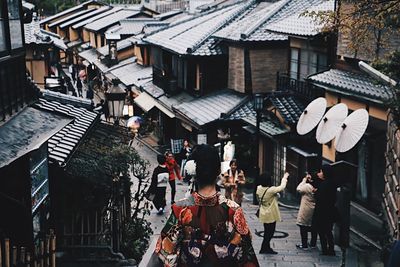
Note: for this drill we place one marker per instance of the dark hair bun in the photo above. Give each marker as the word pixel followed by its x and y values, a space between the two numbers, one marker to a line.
pixel 208 165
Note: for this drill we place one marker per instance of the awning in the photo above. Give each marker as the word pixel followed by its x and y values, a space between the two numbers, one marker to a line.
pixel 27 131
pixel 147 102
pixel 165 110
pixel 86 63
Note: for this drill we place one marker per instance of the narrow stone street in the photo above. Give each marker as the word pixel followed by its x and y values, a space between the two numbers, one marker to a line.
pixel 286 237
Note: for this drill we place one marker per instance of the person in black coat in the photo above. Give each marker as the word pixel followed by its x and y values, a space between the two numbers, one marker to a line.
pixel 79 86
pixel 325 212
pixel 158 185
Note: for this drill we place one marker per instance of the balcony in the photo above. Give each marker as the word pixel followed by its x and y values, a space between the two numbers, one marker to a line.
pixel 301 88
pixel 168 83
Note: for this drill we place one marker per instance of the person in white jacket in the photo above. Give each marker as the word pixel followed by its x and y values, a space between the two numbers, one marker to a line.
pixel 306 211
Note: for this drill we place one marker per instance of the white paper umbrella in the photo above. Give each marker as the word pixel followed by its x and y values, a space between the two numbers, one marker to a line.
pixel 311 116
pixel 351 131
pixel 330 123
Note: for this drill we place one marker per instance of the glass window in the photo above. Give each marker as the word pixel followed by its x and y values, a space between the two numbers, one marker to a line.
pixel 15 23
pixel 313 62
pixel 322 62
pixel 294 63
pixel 2 33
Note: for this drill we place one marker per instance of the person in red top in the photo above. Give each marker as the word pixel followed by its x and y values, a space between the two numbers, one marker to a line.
pixel 174 172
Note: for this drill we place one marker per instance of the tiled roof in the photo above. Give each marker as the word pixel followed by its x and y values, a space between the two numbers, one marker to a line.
pixel 243 111
pixel 179 18
pixel 94 12
pixel 26 131
pixel 35 35
pixel 290 107
pixel 150 28
pixel 62 144
pixel 265 21
pixel 246 113
pixel 153 89
pixel 70 17
pixel 290 20
pixel 267 127
pixel 110 20
pixel 133 26
pixel 353 84
pixel 209 108
pixel 188 36
pixel 252 16
pixel 133 74
pixel 97 17
pixel 167 15
pixel 170 101
pixel 120 64
pixel 90 55
pixel 67 11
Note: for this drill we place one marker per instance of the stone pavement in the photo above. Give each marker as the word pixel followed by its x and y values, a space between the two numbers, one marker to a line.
pixel 286 237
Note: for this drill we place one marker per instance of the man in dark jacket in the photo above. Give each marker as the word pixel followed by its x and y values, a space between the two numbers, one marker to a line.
pixel 325 212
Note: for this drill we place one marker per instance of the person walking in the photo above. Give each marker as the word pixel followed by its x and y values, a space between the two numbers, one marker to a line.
pixel 183 157
pixel 205 229
pixel 325 212
pixel 233 181
pixel 306 211
pixel 79 87
pixel 174 172
pixel 72 72
pixel 269 212
pixel 158 185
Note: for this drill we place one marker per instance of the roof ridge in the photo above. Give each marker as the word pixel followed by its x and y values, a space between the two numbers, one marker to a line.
pixel 267 16
pixel 188 29
pixel 199 15
pixel 222 23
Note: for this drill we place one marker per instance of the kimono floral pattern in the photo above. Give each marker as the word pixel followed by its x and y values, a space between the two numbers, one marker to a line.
pixel 206 232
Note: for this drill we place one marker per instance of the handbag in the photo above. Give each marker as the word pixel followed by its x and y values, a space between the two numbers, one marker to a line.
pixel 259 204
pixel 150 195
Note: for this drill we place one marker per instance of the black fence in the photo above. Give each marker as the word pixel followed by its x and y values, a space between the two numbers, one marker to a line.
pixel 301 88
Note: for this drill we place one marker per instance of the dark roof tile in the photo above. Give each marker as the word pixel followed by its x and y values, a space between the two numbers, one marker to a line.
pixel 350 83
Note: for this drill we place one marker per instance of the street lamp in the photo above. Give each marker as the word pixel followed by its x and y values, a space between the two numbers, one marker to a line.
pixel 258 104
pixel 115 98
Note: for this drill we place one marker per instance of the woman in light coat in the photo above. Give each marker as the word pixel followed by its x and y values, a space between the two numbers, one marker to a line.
pixel 269 211
pixel 306 211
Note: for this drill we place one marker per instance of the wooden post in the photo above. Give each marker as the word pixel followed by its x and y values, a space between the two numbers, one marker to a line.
pixel 14 256
pixel 41 254
pixel 82 222
pixel 52 248
pixel 95 228
pixel 47 254
pixel 7 252
pixel 22 256
pixel 28 259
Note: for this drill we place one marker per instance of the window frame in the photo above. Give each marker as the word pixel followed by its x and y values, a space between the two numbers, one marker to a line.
pixel 296 61
pixel 9 51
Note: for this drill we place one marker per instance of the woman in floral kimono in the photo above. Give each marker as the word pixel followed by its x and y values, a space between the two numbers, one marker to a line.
pixel 206 229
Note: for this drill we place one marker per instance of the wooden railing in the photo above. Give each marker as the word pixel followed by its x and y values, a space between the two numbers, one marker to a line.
pixel 301 88
pixel 42 256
